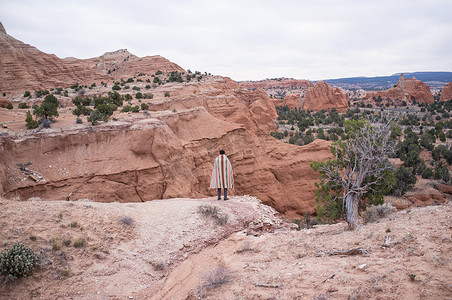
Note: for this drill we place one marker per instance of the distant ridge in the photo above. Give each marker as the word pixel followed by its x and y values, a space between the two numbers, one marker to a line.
pixel 435 80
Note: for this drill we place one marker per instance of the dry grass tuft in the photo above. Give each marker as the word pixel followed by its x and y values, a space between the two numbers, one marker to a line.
pixel 374 213
pixel 217 277
pixel 213 212
pixel 128 221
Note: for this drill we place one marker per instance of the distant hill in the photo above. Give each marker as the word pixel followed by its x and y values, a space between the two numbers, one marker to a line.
pixel 433 79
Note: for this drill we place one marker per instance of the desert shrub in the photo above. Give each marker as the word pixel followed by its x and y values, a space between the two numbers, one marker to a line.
pixel 126 221
pixel 139 95
pixel 79 243
pixel 167 94
pixel 30 122
pixel 17 261
pixel 217 277
pixel 277 135
pixel 135 88
pixel 126 108
pixel 116 87
pixel 9 105
pixel 213 212
pixel 23 105
pixel 442 172
pixel 374 213
pixel 27 94
pixel 144 106
pixel 160 265
pixel 405 180
pixel 427 173
pixel 135 109
pixel 78 121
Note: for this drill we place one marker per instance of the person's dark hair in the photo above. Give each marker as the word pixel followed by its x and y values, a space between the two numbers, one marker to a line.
pixel 222 152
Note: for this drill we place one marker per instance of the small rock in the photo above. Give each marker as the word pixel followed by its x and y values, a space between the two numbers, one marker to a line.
pixel 362 267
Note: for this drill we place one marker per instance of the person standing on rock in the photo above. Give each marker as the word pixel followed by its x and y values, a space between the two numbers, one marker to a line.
pixel 222 175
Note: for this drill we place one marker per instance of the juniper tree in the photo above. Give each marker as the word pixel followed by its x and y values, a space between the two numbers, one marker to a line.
pixel 360 168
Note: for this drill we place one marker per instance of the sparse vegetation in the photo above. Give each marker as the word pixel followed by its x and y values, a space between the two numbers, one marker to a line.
pixel 79 242
pixel 17 261
pixel 30 123
pixel 374 213
pixel 221 275
pixel 213 212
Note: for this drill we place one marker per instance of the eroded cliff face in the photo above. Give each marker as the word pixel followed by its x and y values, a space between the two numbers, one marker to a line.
pixel 167 152
pixel 169 155
pixel 405 90
pixel 446 93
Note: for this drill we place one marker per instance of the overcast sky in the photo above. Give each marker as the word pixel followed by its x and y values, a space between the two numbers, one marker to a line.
pixel 247 40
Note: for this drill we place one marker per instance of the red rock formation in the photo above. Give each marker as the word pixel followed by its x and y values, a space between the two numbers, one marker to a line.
pixel 446 94
pixel 292 101
pixel 167 153
pixel 323 96
pixel 405 90
pixel 164 157
pixel 23 67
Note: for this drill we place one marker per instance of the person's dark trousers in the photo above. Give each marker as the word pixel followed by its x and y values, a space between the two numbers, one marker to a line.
pixel 225 194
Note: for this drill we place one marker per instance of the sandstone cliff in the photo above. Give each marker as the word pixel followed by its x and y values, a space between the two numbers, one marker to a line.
pixel 323 96
pixel 405 90
pixel 446 94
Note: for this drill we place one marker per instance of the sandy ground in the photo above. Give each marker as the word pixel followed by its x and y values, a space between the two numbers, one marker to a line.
pixel 172 251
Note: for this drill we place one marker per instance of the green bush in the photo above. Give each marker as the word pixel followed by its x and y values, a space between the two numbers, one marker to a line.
pixel 30 122
pixel 144 106
pixel 27 94
pixel 427 173
pixel 17 261
pixel 277 135
pixel 167 94
pixel 23 105
pixel 139 95
pixel 9 105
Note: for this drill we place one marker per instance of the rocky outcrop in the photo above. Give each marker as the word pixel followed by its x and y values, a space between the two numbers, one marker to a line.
pixel 405 90
pixel 167 156
pixel 277 82
pixel 446 94
pixel 292 101
pixel 322 96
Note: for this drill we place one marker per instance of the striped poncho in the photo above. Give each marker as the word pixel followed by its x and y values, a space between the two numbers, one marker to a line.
pixel 222 176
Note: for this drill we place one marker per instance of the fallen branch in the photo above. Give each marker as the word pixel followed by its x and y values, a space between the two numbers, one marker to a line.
pixel 268 285
pixel 354 251
pixel 329 277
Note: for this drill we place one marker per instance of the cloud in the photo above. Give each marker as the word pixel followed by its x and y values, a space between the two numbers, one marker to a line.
pixel 247 39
